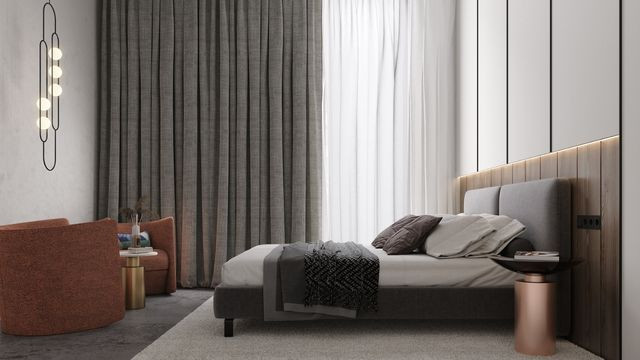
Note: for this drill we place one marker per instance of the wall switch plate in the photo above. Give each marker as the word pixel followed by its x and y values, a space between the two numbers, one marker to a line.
pixel 589 222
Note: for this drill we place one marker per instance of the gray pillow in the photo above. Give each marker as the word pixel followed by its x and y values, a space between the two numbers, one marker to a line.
pixel 382 238
pixel 411 236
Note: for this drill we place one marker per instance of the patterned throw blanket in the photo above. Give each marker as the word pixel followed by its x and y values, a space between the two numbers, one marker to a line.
pixel 336 279
pixel 341 274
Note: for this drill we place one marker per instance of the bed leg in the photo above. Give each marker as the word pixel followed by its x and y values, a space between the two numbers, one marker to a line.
pixel 228 327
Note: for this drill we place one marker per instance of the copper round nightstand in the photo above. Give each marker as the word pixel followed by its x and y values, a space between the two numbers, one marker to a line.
pixel 535 303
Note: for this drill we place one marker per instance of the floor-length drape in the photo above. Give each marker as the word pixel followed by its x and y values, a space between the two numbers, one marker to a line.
pixel 388 113
pixel 212 109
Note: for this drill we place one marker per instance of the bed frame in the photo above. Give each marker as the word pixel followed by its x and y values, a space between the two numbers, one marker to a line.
pixel 543 206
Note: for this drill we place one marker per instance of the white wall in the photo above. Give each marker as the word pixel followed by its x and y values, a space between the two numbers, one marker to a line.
pixel 583 89
pixel 630 175
pixel 529 79
pixel 585 71
pixel 492 83
pixel 466 86
pixel 27 190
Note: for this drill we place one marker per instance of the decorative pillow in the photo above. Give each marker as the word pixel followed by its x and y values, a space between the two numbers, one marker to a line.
pixel 517 244
pixel 507 229
pixel 382 238
pixel 456 234
pixel 411 236
pixel 125 240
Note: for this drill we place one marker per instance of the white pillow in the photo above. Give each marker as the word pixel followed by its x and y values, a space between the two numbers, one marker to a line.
pixel 455 235
pixel 507 229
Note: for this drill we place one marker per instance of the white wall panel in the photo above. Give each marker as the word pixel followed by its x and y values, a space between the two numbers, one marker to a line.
pixel 492 83
pixel 466 86
pixel 585 88
pixel 630 141
pixel 529 78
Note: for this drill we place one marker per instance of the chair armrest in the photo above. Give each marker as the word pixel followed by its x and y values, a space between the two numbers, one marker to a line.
pixel 162 233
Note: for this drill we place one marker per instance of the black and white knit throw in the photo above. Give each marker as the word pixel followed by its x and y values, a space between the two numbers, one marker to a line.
pixel 341 274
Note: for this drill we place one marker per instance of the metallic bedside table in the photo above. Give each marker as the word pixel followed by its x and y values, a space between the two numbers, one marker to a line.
pixel 535 303
pixel 133 280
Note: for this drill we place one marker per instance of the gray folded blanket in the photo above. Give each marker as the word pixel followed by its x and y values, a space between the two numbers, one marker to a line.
pixel 331 278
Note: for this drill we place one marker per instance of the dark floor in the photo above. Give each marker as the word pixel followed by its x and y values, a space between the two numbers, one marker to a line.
pixel 122 340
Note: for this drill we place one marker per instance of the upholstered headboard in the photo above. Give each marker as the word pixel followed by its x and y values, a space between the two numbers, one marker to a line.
pixel 482 201
pixel 544 207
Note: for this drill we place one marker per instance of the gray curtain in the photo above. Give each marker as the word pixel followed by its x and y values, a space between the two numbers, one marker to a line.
pixel 212 109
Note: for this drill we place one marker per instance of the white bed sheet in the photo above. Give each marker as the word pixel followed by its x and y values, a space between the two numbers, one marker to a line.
pixel 395 270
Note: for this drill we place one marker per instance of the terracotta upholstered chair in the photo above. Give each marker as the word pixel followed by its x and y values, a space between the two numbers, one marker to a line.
pixel 159 271
pixel 58 278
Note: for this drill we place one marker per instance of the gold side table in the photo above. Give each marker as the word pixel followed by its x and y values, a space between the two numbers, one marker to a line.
pixel 133 280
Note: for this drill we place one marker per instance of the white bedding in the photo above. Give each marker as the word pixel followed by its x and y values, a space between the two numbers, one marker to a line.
pixel 395 270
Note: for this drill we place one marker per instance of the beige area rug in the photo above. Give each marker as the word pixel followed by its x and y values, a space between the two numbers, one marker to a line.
pixel 199 336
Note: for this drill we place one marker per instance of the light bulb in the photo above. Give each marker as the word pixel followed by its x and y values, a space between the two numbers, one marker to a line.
pixel 55 71
pixel 55 90
pixel 44 123
pixel 43 104
pixel 55 53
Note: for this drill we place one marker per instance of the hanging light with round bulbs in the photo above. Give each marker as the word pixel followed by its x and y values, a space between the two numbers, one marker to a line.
pixel 49 89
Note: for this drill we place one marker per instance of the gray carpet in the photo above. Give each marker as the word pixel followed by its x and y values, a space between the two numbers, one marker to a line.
pixel 199 336
pixel 120 341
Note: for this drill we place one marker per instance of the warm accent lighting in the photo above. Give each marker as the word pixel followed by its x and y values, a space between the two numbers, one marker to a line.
pixel 44 123
pixel 55 90
pixel 55 71
pixel 55 53
pixel 43 104
pixel 49 89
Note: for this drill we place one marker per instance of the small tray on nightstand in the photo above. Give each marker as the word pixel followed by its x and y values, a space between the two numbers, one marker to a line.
pixel 535 266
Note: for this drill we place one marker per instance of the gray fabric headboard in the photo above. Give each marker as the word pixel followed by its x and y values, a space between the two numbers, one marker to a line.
pixel 544 207
pixel 482 201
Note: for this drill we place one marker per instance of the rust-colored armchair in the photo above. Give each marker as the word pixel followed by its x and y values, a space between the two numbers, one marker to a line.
pixel 159 271
pixel 58 278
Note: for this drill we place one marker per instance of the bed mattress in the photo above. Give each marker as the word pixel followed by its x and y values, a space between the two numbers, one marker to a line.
pixel 246 269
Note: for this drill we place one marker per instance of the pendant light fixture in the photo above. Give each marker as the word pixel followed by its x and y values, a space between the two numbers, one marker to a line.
pixel 49 89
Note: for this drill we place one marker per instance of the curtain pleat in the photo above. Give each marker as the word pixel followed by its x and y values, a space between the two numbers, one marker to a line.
pixel 389 146
pixel 211 109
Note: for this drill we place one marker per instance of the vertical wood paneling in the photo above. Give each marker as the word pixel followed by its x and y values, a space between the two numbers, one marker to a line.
pixel 485 179
pixel 463 190
pixel 549 166
pixel 593 171
pixel 496 177
pixel 532 169
pixel 507 174
pixel 586 324
pixel 519 172
pixel 610 250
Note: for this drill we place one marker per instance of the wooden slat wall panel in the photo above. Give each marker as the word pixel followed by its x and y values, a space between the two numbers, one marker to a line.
pixel 549 166
pixel 586 324
pixel 507 174
pixel 463 190
pixel 496 177
pixel 485 179
pixel 519 172
pixel 610 251
pixel 594 171
pixel 532 169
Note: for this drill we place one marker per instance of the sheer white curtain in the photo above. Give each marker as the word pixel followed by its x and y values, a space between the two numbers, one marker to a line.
pixel 388 118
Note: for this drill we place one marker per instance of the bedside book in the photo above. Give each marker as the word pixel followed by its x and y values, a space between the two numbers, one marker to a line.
pixel 537 255
pixel 141 250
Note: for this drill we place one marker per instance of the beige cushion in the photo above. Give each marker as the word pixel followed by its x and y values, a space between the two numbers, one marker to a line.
pixel 455 235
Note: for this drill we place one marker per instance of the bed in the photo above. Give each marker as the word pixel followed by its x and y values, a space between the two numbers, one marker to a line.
pixel 417 286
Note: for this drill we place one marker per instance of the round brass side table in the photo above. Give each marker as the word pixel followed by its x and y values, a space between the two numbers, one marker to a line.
pixel 133 280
